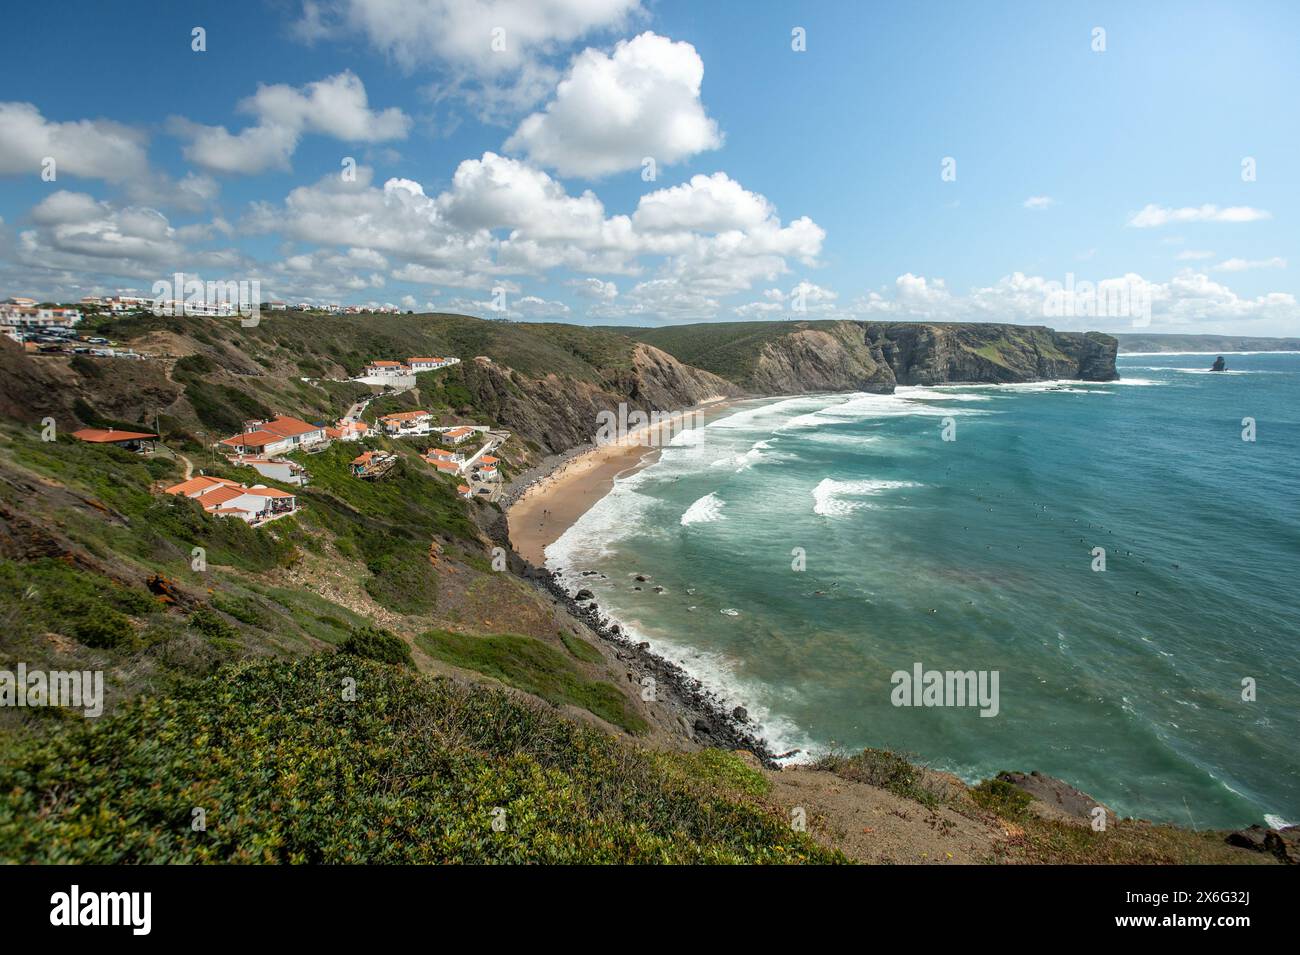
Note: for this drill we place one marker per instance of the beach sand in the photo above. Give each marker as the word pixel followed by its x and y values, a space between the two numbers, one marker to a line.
pixel 551 506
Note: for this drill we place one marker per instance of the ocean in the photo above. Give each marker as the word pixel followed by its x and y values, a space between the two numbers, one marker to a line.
pixel 809 548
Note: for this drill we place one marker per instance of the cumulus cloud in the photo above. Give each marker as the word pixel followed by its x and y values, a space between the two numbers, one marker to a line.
pixel 76 232
pixel 1153 215
pixel 1189 301
pixel 593 288
pixel 336 106
pixel 456 33
pixel 503 217
pixel 91 148
pixel 611 111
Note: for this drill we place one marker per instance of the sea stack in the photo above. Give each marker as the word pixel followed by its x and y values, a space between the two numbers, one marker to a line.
pixel 1219 364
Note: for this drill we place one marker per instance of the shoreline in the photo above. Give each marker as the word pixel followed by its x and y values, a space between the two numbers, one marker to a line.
pixel 539 513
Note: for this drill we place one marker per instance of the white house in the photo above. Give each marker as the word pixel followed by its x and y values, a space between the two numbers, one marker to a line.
pixel 406 423
pixel 458 434
pixel 225 498
pixel 383 368
pixel 280 434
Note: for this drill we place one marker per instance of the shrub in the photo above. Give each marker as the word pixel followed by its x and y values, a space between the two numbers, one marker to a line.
pixel 1002 799
pixel 410 771
pixel 376 643
pixel 105 629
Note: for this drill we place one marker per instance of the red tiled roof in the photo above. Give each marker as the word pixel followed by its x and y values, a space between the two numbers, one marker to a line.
pixel 268 492
pixel 109 435
pixel 406 415
pixel 220 495
pixel 289 427
pixel 253 439
pixel 488 459
pixel 198 485
pixel 412 361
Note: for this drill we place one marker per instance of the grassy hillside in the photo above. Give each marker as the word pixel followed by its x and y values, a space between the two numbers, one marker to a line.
pixel 84 535
pixel 729 349
pixel 285 768
pixel 1138 341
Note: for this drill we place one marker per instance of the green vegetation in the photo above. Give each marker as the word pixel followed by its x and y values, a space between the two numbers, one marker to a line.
pixel 1003 799
pixel 412 770
pixel 580 648
pixel 883 769
pixel 376 643
pixel 534 667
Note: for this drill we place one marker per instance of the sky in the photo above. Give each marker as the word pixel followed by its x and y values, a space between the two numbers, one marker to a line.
pixel 648 162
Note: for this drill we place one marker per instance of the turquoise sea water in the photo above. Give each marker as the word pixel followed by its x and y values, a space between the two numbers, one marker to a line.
pixel 976 554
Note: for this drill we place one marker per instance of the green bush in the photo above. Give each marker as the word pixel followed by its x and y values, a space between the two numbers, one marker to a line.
pixel 536 668
pixel 376 643
pixel 211 624
pixel 106 629
pixel 410 770
pixel 1002 799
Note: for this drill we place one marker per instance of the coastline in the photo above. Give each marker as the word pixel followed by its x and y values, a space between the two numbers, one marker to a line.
pixel 544 509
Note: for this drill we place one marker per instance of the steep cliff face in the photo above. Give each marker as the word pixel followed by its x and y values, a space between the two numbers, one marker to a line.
pixel 929 354
pixel 795 357
pixel 557 413
pixel 834 358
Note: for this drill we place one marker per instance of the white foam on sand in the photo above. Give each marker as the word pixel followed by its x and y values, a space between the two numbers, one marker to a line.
pixel 828 496
pixel 704 511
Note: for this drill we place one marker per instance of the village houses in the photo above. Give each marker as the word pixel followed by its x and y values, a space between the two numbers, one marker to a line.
pixel 225 498
pixel 276 436
pixel 407 423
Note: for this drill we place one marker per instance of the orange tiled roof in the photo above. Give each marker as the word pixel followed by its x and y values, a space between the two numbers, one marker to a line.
pixel 412 361
pixel 253 439
pixel 406 415
pixel 488 459
pixel 109 435
pixel 198 485
pixel 268 492
pixel 289 427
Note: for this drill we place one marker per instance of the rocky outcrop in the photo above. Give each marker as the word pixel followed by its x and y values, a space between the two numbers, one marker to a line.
pixel 837 357
pixel 775 358
pixel 931 354
pixel 1055 798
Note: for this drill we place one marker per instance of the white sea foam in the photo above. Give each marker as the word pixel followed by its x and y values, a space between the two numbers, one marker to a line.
pixel 828 496
pixel 704 511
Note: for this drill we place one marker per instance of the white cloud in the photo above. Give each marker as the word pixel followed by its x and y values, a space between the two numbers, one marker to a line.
pixel 1193 255
pixel 76 232
pixel 1039 202
pixel 502 217
pixel 336 106
pixel 611 111
pixel 92 148
pixel 1153 215
pixel 594 288
pixel 1243 265
pixel 708 203
pixel 1189 301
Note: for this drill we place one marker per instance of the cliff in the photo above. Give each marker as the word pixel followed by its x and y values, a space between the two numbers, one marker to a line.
pixel 795 357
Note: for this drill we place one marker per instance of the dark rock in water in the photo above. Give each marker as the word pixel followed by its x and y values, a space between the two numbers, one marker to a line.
pixel 1284 843
pixel 659 590
pixel 615 628
pixel 1056 797
pixel 702 728
pixel 1219 364
pixel 740 714
pixel 642 578
pixel 1252 838
pixel 584 594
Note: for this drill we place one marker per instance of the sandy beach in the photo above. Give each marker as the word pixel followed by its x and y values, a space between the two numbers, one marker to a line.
pixel 551 506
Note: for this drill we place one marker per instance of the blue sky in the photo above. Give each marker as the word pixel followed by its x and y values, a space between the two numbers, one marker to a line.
pixel 788 183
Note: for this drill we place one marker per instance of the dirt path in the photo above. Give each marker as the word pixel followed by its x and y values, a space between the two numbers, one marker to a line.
pixel 189 465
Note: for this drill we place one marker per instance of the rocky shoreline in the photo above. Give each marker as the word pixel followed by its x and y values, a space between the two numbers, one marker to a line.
pixel 704 717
